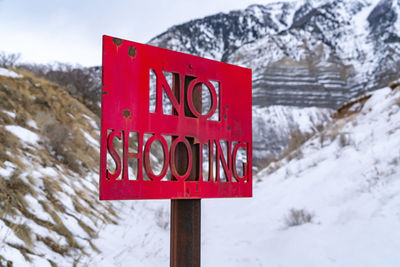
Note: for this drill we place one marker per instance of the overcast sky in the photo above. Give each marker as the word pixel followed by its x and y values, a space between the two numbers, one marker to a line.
pixel 44 31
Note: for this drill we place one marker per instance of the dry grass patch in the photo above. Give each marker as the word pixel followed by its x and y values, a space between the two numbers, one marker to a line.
pixel 23 250
pixel 22 231
pixel 296 140
pixel 51 187
pixel 60 121
pixel 62 250
pixel 12 194
pixel 59 226
pixel 89 230
pixel 10 143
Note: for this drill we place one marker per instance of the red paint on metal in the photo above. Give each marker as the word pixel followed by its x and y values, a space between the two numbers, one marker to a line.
pixel 213 93
pixel 126 108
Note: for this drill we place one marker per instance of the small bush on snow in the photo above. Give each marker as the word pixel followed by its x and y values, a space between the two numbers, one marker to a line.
pixel 344 140
pixel 298 217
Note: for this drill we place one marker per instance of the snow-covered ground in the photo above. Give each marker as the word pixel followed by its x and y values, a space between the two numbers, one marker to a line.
pixel 9 73
pixel 347 179
pixel 275 126
pixel 141 237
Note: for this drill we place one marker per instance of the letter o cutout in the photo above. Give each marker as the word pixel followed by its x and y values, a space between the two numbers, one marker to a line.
pixel 213 94
pixel 147 166
pixel 174 172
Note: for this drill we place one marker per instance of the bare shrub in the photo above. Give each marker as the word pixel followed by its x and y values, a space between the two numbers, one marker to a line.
pixel 344 139
pixel 322 139
pixel 397 100
pixel 58 140
pixel 326 139
pixel 298 217
pixel 70 160
pixel 296 139
pixel 394 162
pixel 8 60
pixel 57 135
pixel 273 167
pixel 297 154
pixel 320 127
pixel 82 83
pixel 292 151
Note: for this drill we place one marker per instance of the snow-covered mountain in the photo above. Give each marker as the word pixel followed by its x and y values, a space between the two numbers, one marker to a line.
pixel 303 53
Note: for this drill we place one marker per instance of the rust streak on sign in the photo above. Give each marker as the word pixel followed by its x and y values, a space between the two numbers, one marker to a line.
pixel 216 142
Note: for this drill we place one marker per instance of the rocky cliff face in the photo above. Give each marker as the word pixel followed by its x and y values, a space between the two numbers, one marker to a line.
pixel 310 53
pixel 304 53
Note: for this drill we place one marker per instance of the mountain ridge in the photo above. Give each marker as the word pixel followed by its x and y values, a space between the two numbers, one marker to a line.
pixel 355 44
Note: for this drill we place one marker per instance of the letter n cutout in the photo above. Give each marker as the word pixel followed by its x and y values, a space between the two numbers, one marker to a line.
pixel 161 83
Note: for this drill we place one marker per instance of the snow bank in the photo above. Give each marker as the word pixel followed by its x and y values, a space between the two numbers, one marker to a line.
pixel 24 134
pixel 9 113
pixel 9 73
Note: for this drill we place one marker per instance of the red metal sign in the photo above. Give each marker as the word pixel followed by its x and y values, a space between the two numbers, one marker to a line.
pixel 151 98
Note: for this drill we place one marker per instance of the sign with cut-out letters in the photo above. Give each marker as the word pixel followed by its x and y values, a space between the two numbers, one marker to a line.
pixel 151 114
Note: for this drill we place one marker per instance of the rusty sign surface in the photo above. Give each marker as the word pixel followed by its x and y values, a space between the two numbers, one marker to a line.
pixel 148 101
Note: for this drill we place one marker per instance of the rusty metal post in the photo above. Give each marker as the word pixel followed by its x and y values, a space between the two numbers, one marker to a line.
pixel 185 243
pixel 185 232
